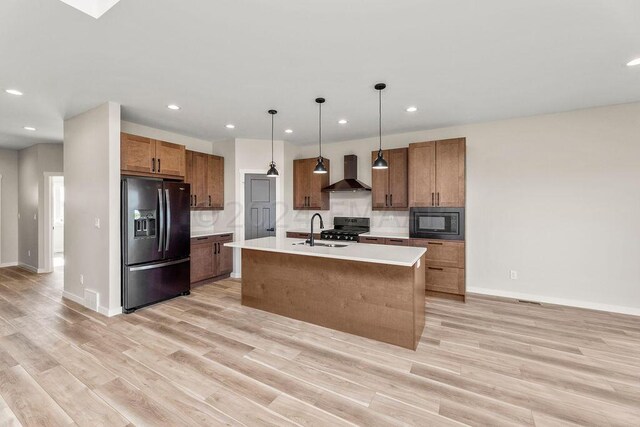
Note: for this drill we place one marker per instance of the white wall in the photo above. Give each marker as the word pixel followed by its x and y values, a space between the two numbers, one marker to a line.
pixel 8 207
pixel 33 162
pixel 92 191
pixel 254 156
pixel 555 197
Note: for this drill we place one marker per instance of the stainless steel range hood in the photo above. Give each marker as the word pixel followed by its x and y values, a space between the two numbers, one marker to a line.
pixel 350 182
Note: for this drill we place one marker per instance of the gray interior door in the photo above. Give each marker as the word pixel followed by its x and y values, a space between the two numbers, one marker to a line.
pixel 259 206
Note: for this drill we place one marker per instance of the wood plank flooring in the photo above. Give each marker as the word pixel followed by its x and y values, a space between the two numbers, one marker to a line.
pixel 207 360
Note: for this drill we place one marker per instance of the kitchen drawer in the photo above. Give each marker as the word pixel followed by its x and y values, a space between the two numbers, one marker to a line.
pixel 374 240
pixel 294 235
pixel 224 238
pixel 202 240
pixel 442 253
pixel 396 242
pixel 445 279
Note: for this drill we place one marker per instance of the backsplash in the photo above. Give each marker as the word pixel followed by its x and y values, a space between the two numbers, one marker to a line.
pixel 354 205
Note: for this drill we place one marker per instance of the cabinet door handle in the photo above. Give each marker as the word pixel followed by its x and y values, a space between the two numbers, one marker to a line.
pixel 190 199
pixel 158 165
pixel 215 248
pixel 438 197
pixel 195 200
pixel 386 200
pixel 209 200
pixel 435 268
pixel 153 164
pixel 391 199
pixel 433 203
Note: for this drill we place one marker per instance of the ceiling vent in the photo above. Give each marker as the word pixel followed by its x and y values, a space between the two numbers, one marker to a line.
pixel 94 8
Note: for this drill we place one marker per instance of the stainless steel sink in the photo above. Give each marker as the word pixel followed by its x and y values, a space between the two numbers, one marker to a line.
pixel 328 245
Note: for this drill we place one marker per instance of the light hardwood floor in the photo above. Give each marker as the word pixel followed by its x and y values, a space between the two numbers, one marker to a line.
pixel 206 360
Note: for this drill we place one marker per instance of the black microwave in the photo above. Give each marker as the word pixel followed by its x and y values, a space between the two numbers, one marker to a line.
pixel 437 223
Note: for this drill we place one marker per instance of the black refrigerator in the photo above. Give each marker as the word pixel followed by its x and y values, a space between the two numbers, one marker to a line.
pixel 156 223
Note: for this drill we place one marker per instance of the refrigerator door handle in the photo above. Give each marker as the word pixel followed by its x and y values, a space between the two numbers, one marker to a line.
pixel 161 210
pixel 164 264
pixel 168 206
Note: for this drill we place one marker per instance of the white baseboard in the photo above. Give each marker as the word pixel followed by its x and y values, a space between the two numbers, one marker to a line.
pixel 109 313
pixel 558 301
pixel 9 264
pixel 102 310
pixel 73 297
pixel 236 275
pixel 28 267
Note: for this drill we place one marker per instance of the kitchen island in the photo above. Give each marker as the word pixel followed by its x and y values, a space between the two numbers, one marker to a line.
pixel 374 291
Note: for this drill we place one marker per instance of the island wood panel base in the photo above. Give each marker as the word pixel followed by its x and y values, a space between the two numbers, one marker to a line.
pixel 377 301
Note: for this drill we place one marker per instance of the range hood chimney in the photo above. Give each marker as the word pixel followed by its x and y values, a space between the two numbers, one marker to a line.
pixel 350 182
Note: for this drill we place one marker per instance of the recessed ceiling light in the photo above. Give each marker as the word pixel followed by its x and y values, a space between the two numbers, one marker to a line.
pixel 633 62
pixel 288 131
pixel 14 92
pixel 173 107
pixel 230 126
pixel 412 109
pixel 342 121
pixel 31 128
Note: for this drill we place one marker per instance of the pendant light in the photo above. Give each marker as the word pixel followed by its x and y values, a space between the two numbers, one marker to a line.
pixel 380 162
pixel 272 166
pixel 320 166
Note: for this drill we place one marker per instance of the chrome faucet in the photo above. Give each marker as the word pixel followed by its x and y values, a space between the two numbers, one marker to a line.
pixel 311 240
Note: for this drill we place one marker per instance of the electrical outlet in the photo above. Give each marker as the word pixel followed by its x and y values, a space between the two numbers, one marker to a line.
pixel 35 216
pixel 82 279
pixel 513 274
pixel 29 253
pixel 96 222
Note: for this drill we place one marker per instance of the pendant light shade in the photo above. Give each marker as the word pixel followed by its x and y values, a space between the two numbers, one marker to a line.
pixel 272 166
pixel 320 168
pixel 380 162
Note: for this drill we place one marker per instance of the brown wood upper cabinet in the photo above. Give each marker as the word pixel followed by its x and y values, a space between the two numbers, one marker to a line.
pixel 307 186
pixel 205 173
pixel 437 173
pixel 389 186
pixel 143 156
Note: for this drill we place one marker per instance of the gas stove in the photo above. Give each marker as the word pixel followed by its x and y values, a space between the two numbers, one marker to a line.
pixel 346 228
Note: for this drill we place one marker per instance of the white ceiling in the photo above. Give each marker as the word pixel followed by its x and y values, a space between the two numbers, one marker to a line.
pixel 229 61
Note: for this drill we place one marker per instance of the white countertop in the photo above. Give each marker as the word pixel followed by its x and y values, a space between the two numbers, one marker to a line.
pixel 204 233
pixel 405 256
pixel 388 234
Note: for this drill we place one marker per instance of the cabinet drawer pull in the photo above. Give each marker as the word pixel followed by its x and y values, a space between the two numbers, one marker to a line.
pixel 435 243
pixel 436 268
pixel 201 238
pixel 396 240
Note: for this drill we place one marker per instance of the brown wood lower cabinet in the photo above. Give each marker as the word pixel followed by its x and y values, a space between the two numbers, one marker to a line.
pixel 210 258
pixel 445 272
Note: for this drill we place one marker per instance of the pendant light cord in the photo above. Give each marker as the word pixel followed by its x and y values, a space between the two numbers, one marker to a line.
pixel 272 138
pixel 380 118
pixel 320 129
